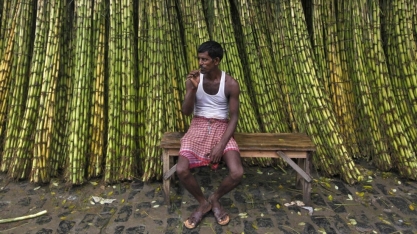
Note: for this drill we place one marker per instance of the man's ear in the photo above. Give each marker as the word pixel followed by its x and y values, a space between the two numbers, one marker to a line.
pixel 216 60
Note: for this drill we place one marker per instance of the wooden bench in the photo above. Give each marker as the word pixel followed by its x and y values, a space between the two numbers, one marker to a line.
pixel 268 145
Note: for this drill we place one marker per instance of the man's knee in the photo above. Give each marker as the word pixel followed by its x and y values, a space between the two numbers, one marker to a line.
pixel 237 173
pixel 182 167
pixel 234 163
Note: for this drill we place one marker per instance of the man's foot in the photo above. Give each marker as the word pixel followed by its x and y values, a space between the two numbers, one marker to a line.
pixel 197 215
pixel 222 217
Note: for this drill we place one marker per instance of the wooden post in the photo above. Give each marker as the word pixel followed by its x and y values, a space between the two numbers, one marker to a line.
pixel 166 182
pixel 307 184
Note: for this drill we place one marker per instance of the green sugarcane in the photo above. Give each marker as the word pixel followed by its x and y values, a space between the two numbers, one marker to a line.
pixel 98 108
pixel 79 139
pixel 19 167
pixel 112 163
pixel 41 170
pixel 142 79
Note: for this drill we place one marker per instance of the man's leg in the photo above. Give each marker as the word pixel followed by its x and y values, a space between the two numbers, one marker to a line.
pixel 189 182
pixel 234 163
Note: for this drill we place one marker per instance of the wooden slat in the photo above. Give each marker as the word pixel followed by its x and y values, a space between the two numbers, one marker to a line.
pixel 294 166
pixel 256 153
pixel 254 141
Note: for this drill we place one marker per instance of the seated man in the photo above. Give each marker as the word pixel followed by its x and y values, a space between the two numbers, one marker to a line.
pixel 213 97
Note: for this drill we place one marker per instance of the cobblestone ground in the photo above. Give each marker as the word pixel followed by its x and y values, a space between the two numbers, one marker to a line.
pixel 384 203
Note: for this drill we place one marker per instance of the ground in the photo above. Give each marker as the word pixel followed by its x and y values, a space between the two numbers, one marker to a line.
pixel 383 203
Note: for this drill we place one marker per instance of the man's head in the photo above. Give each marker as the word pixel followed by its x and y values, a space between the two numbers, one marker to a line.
pixel 210 53
pixel 214 49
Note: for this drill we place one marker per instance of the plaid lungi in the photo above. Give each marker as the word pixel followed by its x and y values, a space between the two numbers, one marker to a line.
pixel 201 137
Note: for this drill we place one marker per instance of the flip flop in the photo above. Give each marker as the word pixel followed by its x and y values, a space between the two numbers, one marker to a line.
pixel 195 218
pixel 222 217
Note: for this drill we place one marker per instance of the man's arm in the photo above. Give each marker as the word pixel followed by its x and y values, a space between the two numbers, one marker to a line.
pixel 232 91
pixel 193 78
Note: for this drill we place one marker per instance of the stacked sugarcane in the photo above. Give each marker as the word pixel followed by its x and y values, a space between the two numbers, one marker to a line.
pixel 16 166
pixel 7 32
pixel 270 16
pixel 262 81
pixel 176 71
pixel 331 61
pixel 88 87
pixel 143 81
pixel 371 142
pixel 121 154
pixel 402 64
pixel 156 73
pixel 95 164
pixel 79 106
pixel 312 108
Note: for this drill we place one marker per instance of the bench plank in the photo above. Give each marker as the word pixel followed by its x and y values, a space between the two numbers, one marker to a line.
pixel 254 141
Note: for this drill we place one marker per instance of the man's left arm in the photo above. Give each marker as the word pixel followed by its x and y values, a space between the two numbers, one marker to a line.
pixel 232 91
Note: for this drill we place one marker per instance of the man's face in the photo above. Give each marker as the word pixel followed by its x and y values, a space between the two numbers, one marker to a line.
pixel 206 63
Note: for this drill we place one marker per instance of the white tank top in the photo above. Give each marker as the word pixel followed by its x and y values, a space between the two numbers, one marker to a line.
pixel 211 106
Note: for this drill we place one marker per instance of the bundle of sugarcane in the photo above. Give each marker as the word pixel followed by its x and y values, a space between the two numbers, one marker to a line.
pixel 223 32
pixel 313 111
pixel 59 138
pixel 259 67
pixel 42 151
pixel 95 162
pixel 176 71
pixel 19 166
pixel 402 67
pixel 270 17
pixel 143 80
pixel 274 86
pixel 127 170
pixel 25 140
pixel 8 44
pixel 401 47
pixel 259 70
pixel 401 59
pixel 79 111
pixel 336 82
pixel 64 89
pixel 368 134
pixel 156 73
pixel 299 106
pixel 383 96
pixel 115 58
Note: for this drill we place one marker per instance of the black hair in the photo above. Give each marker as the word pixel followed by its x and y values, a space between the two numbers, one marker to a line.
pixel 213 48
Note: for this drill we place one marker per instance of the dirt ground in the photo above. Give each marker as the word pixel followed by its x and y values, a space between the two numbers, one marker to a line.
pixel 262 203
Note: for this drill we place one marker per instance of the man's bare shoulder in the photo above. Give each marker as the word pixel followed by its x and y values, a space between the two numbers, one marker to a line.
pixel 231 84
pixel 229 79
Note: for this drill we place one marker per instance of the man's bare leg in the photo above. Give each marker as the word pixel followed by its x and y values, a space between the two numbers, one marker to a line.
pixel 234 163
pixel 189 182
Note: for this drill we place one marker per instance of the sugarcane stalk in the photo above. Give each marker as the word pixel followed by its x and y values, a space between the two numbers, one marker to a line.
pixel 19 166
pixel 79 139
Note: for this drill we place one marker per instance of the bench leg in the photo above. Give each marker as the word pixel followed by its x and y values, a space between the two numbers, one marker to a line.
pixel 166 182
pixel 300 182
pixel 305 184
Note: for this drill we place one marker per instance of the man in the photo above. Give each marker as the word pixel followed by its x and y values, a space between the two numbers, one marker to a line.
pixel 213 97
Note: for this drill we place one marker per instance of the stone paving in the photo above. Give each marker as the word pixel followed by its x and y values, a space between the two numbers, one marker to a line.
pixel 384 203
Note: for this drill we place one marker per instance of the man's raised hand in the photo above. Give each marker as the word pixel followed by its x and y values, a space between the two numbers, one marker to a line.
pixel 194 77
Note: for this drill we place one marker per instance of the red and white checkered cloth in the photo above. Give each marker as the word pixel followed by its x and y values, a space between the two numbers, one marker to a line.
pixel 201 137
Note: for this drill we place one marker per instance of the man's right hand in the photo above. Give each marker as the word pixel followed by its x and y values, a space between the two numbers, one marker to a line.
pixel 194 77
